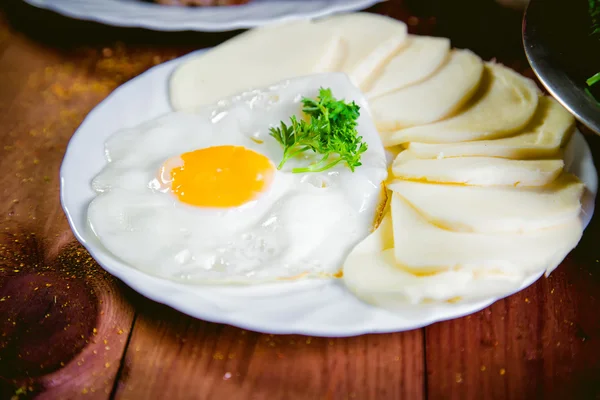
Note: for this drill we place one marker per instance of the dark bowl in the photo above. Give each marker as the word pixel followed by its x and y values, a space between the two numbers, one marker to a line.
pixel 564 54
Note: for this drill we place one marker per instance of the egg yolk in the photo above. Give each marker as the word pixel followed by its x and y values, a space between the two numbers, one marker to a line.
pixel 221 176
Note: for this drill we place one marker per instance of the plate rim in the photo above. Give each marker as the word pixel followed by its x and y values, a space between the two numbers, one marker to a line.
pixel 156 24
pixel 131 276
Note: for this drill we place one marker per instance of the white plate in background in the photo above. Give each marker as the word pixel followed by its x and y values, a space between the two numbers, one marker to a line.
pixel 311 307
pixel 144 14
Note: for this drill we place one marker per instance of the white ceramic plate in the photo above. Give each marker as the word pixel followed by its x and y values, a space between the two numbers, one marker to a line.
pixel 317 308
pixel 142 14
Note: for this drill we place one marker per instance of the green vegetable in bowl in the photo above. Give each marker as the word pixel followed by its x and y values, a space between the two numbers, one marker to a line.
pixel 330 132
pixel 594 9
pixel 594 79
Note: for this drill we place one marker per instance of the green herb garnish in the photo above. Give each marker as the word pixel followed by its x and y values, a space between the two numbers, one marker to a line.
pixel 594 11
pixel 593 80
pixel 331 132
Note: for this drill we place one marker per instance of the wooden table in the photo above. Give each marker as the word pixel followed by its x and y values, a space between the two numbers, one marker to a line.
pixel 69 330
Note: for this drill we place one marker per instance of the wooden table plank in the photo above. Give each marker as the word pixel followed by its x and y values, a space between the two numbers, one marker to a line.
pixel 173 355
pixel 64 321
pixel 540 343
pixel 543 341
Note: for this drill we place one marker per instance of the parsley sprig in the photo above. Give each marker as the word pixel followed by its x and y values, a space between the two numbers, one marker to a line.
pixel 330 132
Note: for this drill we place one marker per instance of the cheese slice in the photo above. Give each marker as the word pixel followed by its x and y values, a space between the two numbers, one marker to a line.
pixel 255 59
pixel 358 44
pixel 421 246
pixel 550 129
pixel 420 57
pixel 482 171
pixel 435 98
pixel 368 42
pixel 373 275
pixel 503 105
pixel 495 209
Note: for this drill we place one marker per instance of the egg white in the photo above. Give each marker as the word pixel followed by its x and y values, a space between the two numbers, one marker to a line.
pixel 304 225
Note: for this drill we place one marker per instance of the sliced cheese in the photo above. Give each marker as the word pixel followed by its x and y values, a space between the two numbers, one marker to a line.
pixel 421 246
pixel 549 130
pixel 358 44
pixel 503 105
pixel 432 99
pixel 369 40
pixel 255 59
pixel 373 275
pixel 417 60
pixel 482 171
pixel 494 209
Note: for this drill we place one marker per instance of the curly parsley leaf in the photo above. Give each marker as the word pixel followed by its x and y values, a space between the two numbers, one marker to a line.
pixel 330 132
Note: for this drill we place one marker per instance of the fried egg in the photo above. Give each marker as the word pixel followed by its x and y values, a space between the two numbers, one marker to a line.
pixel 197 196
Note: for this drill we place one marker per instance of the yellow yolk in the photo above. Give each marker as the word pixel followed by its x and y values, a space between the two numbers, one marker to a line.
pixel 221 176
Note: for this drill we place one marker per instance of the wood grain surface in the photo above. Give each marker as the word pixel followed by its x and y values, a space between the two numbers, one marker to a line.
pixel 68 330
